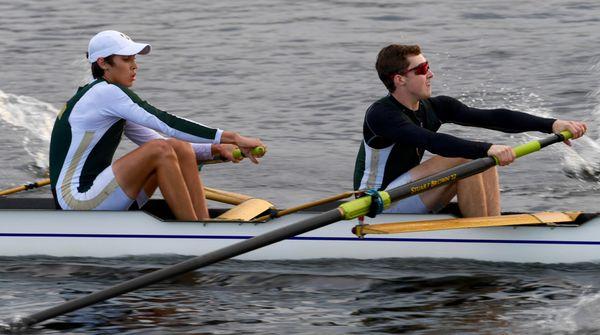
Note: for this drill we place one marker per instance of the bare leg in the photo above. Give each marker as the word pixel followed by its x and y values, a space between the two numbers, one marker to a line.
pixel 134 170
pixel 491 184
pixel 187 163
pixel 151 186
pixel 471 196
pixel 473 193
pixel 442 195
pixel 189 169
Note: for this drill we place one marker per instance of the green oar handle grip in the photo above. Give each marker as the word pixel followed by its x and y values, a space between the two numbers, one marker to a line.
pixel 361 206
pixel 237 154
pixel 533 146
pixel 256 151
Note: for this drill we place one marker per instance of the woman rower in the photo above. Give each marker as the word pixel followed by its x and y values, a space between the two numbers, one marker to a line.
pixel 88 130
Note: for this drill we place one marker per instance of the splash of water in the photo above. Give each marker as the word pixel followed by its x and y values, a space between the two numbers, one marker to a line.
pixel 582 160
pixel 12 326
pixel 579 317
pixel 35 118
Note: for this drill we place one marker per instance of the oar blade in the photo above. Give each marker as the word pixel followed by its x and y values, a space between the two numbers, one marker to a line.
pixel 247 210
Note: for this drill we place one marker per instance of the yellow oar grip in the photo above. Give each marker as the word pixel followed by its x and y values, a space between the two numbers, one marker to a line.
pixel 533 146
pixel 527 148
pixel 361 206
pixel 566 134
pixel 256 151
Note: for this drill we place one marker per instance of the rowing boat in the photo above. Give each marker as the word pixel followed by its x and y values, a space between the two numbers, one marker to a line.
pixel 30 226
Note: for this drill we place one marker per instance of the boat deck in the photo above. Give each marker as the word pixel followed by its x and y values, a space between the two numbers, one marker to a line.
pixel 159 209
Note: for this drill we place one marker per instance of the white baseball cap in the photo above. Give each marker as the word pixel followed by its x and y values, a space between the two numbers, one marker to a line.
pixel 112 42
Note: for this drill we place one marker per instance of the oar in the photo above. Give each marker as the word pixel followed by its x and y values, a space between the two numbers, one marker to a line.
pixel 547 218
pixel 237 154
pixel 346 211
pixel 29 186
pixel 280 213
pixel 225 196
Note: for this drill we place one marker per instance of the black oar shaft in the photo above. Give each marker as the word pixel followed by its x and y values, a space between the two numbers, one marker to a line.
pixel 470 168
pixel 254 243
pixel 446 177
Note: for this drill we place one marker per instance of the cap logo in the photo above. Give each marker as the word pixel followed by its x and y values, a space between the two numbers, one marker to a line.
pixel 125 36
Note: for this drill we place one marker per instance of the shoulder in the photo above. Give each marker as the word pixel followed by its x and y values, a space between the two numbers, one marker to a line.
pixel 113 91
pixel 380 107
pixel 444 100
pixel 445 105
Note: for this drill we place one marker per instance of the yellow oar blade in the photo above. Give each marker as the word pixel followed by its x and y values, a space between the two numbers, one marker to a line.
pixel 479 222
pixel 247 210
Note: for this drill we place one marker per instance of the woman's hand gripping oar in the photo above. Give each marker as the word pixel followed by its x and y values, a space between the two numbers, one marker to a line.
pixel 347 211
pixel 237 155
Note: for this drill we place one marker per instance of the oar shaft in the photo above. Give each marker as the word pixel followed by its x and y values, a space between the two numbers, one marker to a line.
pixel 29 186
pixel 314 203
pixel 306 206
pixel 225 196
pixel 473 167
pixel 449 176
pixel 239 248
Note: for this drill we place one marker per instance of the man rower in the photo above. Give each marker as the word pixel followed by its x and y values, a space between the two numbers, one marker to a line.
pixel 398 128
pixel 88 130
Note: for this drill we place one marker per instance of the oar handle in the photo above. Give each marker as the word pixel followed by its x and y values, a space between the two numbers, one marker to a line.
pixel 533 146
pixel 256 151
pixel 237 154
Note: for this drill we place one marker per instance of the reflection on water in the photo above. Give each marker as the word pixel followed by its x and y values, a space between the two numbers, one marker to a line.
pixel 320 296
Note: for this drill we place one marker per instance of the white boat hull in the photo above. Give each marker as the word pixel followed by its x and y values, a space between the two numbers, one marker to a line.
pixel 114 234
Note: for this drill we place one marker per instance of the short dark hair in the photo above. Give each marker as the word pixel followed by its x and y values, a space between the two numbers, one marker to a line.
pixel 392 60
pixel 97 71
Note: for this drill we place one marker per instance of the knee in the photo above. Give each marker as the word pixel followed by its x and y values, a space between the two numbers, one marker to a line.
pixel 183 149
pixel 161 149
pixel 492 172
pixel 458 160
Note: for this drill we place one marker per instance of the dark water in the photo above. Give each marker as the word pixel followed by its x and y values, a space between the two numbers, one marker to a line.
pixel 388 296
pixel 300 75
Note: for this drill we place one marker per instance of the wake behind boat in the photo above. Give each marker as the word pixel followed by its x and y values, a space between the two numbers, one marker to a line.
pixel 31 226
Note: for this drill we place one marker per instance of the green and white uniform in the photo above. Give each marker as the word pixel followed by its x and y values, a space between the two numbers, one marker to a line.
pixel 87 132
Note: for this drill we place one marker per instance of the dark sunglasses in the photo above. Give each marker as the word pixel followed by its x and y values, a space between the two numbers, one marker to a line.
pixel 421 69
